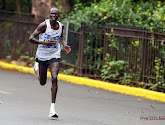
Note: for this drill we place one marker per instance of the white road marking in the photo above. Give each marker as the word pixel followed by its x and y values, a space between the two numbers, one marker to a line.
pixel 5 92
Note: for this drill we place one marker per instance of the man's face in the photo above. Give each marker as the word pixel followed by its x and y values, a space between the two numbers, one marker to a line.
pixel 54 13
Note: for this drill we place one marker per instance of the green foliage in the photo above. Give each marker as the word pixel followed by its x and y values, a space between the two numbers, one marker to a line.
pixel 152 86
pixel 24 58
pixel 142 84
pixel 162 50
pixel 112 40
pixel 20 49
pixel 8 47
pixel 10 5
pixel 159 72
pixel 160 81
pixel 112 69
pixel 136 43
pixel 69 71
pixel 32 59
pixel 62 13
pixel 8 58
pixel 80 16
pixel 95 64
pixel 84 2
pixel 149 14
pixel 126 79
pixel 92 50
pixel 6 26
pixel 148 85
pixel 64 62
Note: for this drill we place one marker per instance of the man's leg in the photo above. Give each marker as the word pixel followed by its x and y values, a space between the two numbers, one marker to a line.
pixel 54 69
pixel 42 74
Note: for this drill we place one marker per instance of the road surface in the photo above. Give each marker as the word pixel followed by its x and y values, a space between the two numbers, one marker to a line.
pixel 24 102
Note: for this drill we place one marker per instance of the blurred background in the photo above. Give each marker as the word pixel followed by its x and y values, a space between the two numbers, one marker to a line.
pixel 120 41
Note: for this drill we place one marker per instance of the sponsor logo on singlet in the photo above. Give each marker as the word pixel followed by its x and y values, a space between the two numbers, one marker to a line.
pixel 48 37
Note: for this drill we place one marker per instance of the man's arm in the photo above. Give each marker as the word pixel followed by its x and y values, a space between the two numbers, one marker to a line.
pixel 40 29
pixel 66 47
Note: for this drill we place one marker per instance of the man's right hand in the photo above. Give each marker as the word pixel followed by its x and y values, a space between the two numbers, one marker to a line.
pixel 49 43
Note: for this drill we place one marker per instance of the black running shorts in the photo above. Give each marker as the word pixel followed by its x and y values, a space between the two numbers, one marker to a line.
pixel 47 62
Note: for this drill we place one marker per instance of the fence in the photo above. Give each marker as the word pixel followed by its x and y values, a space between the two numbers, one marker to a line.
pixel 20 17
pixel 14 33
pixel 142 51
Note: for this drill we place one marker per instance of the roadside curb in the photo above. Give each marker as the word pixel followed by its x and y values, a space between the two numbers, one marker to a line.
pixel 148 94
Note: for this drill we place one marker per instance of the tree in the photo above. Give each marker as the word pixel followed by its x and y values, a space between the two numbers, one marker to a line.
pixel 42 7
pixel 3 4
pixel 64 4
pixel 18 4
pixel 21 6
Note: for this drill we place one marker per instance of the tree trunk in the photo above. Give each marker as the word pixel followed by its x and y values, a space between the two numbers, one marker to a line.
pixel 3 4
pixel 29 5
pixel 18 4
pixel 63 3
pixel 42 7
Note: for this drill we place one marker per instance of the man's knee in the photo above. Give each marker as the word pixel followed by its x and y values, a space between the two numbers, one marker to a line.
pixel 42 82
pixel 54 79
pixel 54 84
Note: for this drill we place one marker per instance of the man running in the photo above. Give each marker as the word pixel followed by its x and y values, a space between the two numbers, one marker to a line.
pixel 48 53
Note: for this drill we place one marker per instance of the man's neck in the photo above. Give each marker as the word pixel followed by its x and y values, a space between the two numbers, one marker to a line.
pixel 53 23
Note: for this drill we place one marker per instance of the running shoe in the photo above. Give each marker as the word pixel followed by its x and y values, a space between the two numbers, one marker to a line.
pixel 36 68
pixel 53 113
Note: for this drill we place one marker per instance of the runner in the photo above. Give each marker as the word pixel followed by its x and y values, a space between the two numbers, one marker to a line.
pixel 48 53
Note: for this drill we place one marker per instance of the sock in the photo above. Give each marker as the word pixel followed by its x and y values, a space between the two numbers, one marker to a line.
pixel 53 105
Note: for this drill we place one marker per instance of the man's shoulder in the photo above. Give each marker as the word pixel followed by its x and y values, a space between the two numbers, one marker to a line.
pixel 61 24
pixel 42 24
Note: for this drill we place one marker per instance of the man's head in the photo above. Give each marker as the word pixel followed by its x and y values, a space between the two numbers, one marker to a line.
pixel 54 14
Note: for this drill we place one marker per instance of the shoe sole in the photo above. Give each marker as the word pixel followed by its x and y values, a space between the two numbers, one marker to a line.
pixel 54 116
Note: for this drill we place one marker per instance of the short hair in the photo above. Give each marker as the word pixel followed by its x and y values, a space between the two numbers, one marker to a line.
pixel 54 8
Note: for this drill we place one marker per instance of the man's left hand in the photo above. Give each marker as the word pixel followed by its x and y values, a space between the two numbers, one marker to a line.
pixel 67 49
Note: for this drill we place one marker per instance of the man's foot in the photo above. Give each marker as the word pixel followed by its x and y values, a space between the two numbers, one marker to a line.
pixel 53 113
pixel 36 68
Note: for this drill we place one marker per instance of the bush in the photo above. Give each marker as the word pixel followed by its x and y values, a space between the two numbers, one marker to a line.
pixel 143 14
pixel 8 58
pixel 24 58
pixel 112 69
pixel 69 71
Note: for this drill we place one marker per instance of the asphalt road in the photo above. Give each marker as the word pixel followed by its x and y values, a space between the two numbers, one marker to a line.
pixel 24 102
